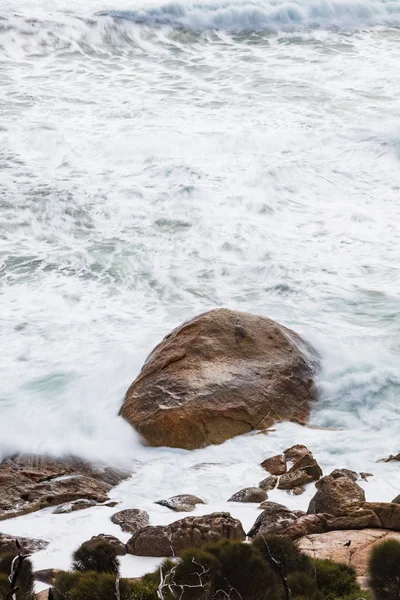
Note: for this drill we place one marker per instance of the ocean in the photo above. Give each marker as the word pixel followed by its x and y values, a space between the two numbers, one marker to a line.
pixel 159 159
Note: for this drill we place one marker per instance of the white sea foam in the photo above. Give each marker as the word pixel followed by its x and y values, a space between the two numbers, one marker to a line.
pixel 149 173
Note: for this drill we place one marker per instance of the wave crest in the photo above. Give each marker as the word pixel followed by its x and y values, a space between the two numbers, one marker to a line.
pixel 274 15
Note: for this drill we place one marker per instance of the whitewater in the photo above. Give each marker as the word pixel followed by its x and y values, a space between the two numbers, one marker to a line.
pixel 160 159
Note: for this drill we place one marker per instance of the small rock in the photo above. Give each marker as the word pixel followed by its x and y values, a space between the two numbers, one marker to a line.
pixel 396 500
pixel 73 506
pixel 364 476
pixel 111 504
pixel 131 520
pixel 251 494
pixel 297 491
pixel 295 453
pixel 181 503
pixel 294 480
pixel 110 539
pixel 190 532
pixel 276 465
pixel 269 483
pixel 392 457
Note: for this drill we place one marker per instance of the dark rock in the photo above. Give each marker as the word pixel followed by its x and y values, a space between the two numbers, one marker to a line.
pixel 131 520
pixel 251 494
pixel 269 483
pixel 222 374
pixel 294 480
pixel 181 503
pixel 191 532
pixel 275 464
pixel 396 500
pixel 274 520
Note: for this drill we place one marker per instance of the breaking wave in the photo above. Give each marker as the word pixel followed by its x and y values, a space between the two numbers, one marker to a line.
pixel 275 15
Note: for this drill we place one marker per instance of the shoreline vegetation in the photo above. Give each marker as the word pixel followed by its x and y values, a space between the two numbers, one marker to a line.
pixel 220 375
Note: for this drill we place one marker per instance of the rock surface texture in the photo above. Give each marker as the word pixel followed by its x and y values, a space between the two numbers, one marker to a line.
pixel 168 540
pixel 29 483
pixel 181 503
pixel 222 374
pixel 334 492
pixel 331 545
pixel 252 494
pixel 131 520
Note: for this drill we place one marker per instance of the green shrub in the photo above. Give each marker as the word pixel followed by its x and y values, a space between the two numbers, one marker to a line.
pixel 218 571
pixel 284 551
pixel 25 581
pixel 336 581
pixel 97 556
pixel 384 570
pixel 100 586
pixel 303 586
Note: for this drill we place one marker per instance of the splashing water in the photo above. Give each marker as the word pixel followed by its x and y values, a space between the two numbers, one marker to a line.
pixel 158 160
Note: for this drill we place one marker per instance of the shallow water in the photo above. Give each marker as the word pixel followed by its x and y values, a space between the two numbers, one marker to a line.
pixel 157 160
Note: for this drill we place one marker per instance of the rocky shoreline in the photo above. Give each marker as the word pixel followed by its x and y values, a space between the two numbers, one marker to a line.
pixel 220 375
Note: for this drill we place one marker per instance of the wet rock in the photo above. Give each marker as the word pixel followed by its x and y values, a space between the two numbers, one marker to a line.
pixel 334 493
pixel 181 503
pixel 276 465
pixel 392 457
pixel 274 519
pixel 269 483
pixel 131 520
pixel 296 452
pixel 28 545
pixel 365 476
pixel 304 470
pixel 251 494
pixel 29 483
pixel 73 506
pixel 110 539
pixel 297 479
pixel 191 532
pixel 222 374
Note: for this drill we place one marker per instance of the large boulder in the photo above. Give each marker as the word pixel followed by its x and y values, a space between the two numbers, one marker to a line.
pixel 222 374
pixel 334 492
pixel 29 483
pixel 274 520
pixel 191 532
